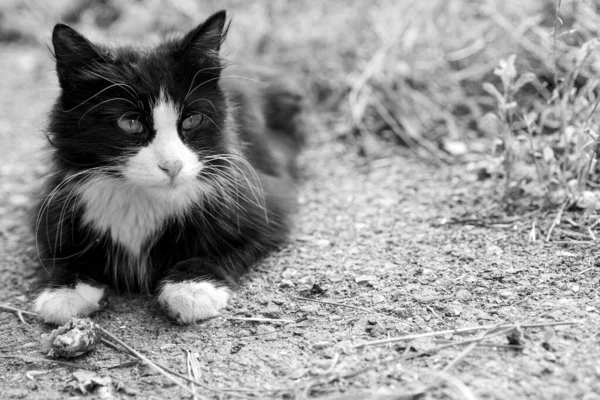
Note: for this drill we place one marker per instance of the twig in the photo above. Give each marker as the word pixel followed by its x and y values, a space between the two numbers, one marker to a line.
pixel 331 303
pixel 124 365
pixel 146 360
pixel 336 357
pixel 19 313
pixel 492 345
pixel 460 330
pixel 458 384
pixel 192 368
pixel 436 315
pixel 471 346
pixel 556 220
pixel 16 310
pixel 268 320
pixel 187 378
pixel 46 360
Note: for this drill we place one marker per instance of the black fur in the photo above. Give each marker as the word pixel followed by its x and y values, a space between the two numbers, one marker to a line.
pixel 215 239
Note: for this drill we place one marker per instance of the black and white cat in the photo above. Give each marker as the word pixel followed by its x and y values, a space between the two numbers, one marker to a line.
pixel 172 173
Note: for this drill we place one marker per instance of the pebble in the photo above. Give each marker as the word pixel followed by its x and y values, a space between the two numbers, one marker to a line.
pixel 321 345
pixel 575 288
pixel 368 279
pixel 507 294
pixel 463 295
pixel 286 283
pixel 378 298
pixel 266 332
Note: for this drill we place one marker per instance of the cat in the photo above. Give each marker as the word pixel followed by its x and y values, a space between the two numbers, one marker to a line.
pixel 172 173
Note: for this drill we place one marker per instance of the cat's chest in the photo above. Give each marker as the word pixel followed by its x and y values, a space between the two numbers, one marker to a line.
pixel 132 216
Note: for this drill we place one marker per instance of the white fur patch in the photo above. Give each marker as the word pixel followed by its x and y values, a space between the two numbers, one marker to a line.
pixel 57 306
pixel 190 301
pixel 160 182
pixel 130 212
pixel 166 161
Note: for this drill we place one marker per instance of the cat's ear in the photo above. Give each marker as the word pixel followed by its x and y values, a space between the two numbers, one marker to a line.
pixel 206 39
pixel 73 53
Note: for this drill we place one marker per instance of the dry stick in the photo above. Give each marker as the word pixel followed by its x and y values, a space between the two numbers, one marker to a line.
pixel 331 303
pixel 184 377
pixel 161 369
pixel 470 348
pixel 45 360
pixel 17 310
pixel 406 356
pixel 458 384
pixel 190 370
pixel 492 345
pixel 556 220
pixel 269 320
pixel 460 330
pixel 146 360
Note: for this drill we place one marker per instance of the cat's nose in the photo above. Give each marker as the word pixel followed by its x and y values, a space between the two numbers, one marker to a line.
pixel 171 168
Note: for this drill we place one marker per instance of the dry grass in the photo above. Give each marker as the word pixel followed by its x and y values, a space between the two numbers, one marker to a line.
pixel 424 74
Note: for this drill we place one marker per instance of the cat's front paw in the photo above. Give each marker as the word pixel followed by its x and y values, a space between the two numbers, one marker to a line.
pixel 58 305
pixel 190 301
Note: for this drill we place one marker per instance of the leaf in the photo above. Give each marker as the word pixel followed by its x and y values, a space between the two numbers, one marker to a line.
pixel 548 154
pixel 490 124
pixel 491 89
pixel 523 80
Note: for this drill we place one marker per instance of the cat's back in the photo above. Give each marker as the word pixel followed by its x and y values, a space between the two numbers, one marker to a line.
pixel 270 109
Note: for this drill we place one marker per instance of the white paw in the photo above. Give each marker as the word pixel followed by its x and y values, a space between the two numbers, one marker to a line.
pixel 190 301
pixel 57 306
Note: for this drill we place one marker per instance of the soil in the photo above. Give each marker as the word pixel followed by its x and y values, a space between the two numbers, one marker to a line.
pixel 380 235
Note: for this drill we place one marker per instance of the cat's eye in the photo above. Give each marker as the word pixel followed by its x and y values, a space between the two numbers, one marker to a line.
pixel 130 125
pixel 191 122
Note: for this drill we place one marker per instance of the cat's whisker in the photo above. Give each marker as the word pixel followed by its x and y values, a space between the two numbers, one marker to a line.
pixel 213 122
pixel 104 102
pixel 252 171
pixel 46 204
pixel 256 191
pixel 194 79
pixel 210 102
pixel 221 77
pixel 125 86
pixel 90 98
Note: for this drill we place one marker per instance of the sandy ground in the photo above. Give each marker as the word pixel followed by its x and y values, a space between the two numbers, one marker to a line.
pixel 373 235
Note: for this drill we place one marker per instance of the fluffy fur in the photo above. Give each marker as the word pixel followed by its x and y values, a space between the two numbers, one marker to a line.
pixel 170 171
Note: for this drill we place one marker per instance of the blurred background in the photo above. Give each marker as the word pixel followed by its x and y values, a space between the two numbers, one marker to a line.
pixel 508 87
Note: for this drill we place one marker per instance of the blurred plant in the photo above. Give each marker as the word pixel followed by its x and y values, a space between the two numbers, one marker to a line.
pixel 558 136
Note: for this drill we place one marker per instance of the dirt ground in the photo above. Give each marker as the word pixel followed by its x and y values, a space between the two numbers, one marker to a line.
pixel 378 235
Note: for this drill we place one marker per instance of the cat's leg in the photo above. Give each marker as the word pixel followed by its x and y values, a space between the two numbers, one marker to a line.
pixel 194 290
pixel 59 303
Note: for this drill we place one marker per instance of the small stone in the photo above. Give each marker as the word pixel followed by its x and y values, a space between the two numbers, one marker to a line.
pixel 267 332
pixel 365 279
pixel 323 243
pixel 299 373
pixel 494 250
pixel 463 295
pixel 455 148
pixel 575 288
pixel 286 283
pixel 321 345
pixel 506 294
pixel 168 346
pixel 272 312
pixel 378 298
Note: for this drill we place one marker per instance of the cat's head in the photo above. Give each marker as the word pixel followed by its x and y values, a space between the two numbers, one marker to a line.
pixel 150 116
